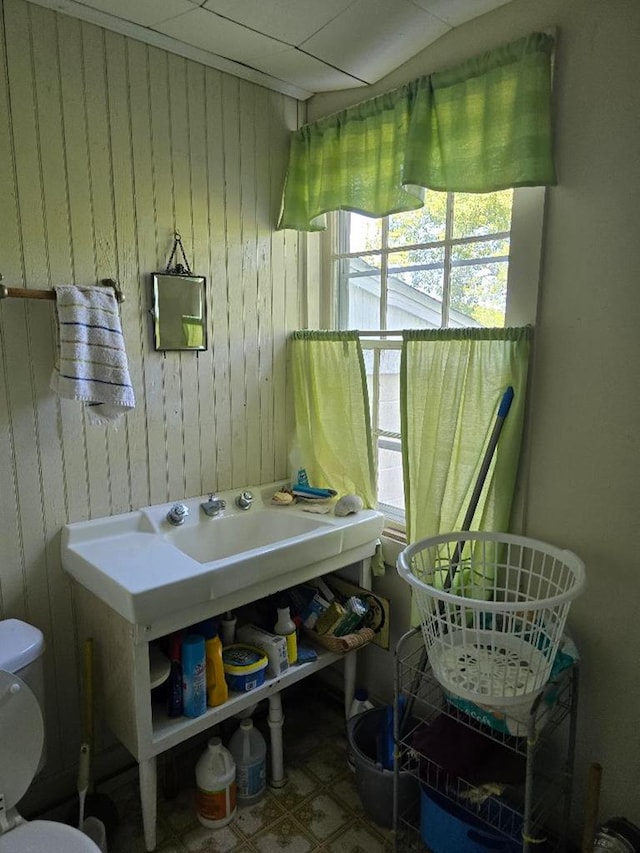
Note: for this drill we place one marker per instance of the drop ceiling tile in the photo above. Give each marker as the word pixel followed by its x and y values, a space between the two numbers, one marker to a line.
pixel 292 21
pixel 373 37
pixel 208 31
pixel 456 12
pixel 144 12
pixel 308 72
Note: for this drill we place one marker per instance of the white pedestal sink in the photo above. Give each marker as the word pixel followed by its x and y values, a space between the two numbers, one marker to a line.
pixel 140 578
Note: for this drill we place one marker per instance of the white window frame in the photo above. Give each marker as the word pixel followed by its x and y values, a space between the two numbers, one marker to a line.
pixel 525 255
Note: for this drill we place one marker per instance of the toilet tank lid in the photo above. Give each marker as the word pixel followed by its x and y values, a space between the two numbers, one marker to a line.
pixel 20 644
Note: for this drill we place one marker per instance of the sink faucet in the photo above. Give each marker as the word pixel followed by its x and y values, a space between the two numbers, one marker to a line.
pixel 213 506
pixel 244 500
pixel 177 514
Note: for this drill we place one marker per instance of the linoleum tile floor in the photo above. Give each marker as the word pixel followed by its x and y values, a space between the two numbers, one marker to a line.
pixel 317 811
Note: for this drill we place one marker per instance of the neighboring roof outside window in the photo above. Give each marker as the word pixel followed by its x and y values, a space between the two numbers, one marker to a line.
pixel 406 306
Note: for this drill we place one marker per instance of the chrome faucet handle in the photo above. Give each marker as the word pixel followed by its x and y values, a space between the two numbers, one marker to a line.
pixel 244 500
pixel 177 514
pixel 213 505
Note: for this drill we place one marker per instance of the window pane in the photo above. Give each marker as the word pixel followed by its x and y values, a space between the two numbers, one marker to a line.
pixel 361 277
pixel 476 213
pixel 389 401
pixel 364 233
pixel 414 289
pixel 390 482
pixel 480 291
pixel 426 225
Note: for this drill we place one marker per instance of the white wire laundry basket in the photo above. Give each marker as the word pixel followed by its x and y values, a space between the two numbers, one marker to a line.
pixel 493 608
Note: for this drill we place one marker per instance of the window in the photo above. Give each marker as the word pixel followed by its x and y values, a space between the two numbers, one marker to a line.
pixel 450 264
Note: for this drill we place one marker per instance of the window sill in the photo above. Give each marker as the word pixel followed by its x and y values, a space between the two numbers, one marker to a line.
pixel 393 542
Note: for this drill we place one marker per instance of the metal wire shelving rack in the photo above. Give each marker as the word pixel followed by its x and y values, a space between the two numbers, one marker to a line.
pixel 533 816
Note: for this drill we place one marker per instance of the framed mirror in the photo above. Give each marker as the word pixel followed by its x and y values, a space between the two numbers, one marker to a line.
pixel 179 312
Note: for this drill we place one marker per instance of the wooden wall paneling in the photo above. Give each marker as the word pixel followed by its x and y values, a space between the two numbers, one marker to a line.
pixel 106 237
pixel 31 495
pixel 144 179
pixel 73 424
pixel 12 351
pixel 61 642
pixel 166 225
pixel 294 283
pixel 218 289
pixel 278 316
pixel 232 166
pixel 187 361
pixel 248 142
pixel 133 426
pixel 103 474
pixel 197 118
pixel 265 225
pixel 109 144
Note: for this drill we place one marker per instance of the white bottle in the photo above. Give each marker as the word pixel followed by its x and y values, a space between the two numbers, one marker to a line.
pixel 360 702
pixel 249 751
pixel 228 629
pixel 216 799
pixel 285 626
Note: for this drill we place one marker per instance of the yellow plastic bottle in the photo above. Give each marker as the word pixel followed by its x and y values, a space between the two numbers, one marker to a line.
pixel 217 689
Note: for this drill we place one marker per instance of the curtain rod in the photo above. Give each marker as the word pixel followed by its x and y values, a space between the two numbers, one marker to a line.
pixel 27 293
pixel 381 333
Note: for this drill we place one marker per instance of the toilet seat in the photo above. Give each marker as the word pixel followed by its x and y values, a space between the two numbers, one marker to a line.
pixel 21 740
pixel 22 737
pixel 46 835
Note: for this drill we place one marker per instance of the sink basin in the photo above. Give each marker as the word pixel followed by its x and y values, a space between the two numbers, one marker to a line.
pixel 144 568
pixel 222 536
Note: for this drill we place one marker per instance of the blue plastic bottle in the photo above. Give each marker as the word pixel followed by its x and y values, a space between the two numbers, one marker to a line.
pixel 194 680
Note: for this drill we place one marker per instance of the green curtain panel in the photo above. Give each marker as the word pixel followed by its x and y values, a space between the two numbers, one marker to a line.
pixel 451 385
pixel 332 432
pixel 480 127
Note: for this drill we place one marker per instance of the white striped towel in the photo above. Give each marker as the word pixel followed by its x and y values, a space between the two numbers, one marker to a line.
pixel 92 363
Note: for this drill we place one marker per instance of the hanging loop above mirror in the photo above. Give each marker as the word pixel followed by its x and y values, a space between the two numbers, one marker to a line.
pixel 178 269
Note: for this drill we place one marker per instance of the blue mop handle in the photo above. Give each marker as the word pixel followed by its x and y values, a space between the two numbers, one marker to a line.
pixel 503 411
pixel 505 403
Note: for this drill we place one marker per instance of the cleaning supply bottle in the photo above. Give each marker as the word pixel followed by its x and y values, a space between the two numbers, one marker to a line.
pixel 174 684
pixel 228 628
pixel 216 798
pixel 249 751
pixel 194 684
pixel 360 702
pixel 286 628
pixel 217 689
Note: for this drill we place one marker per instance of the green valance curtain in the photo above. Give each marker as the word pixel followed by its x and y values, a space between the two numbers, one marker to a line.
pixel 451 385
pixel 480 127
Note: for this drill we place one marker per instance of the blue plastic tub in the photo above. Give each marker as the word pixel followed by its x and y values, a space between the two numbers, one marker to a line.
pixel 447 828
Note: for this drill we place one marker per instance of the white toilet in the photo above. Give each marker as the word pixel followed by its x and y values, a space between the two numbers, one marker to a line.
pixel 21 745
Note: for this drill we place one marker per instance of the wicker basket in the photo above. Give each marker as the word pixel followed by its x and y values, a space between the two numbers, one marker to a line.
pixel 341 645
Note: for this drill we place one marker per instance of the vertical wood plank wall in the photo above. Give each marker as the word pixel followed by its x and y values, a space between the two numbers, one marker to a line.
pixel 107 146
